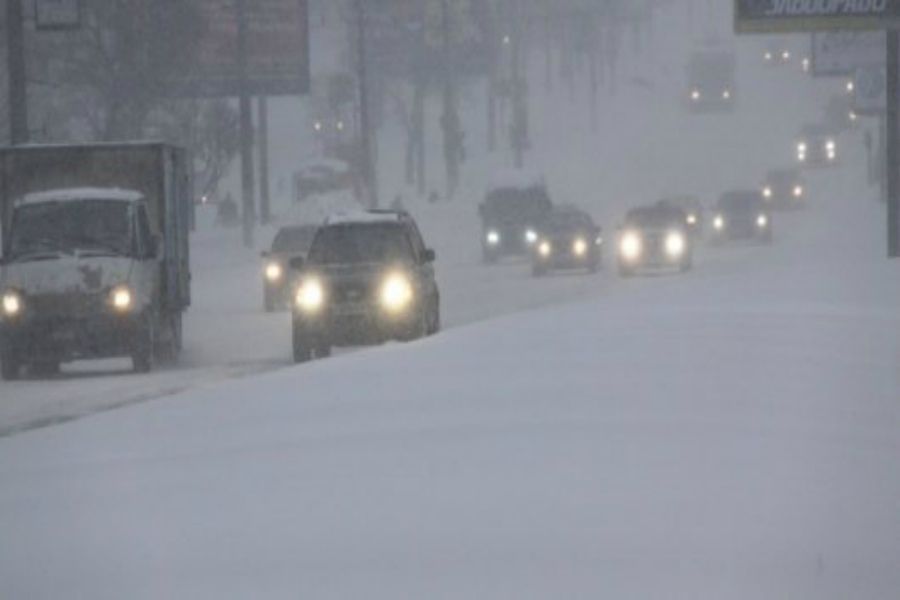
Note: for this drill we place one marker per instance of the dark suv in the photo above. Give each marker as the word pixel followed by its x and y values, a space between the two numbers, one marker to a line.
pixel 368 278
pixel 511 217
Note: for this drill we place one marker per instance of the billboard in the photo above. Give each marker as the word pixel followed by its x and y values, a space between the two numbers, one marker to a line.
pixel 760 16
pixel 840 53
pixel 277 49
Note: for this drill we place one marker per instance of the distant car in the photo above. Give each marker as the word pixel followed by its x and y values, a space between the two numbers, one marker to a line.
pixel 511 215
pixel 711 85
pixel 777 54
pixel 368 278
pixel 568 240
pixel 654 237
pixel 742 215
pixel 817 146
pixel 693 213
pixel 289 243
pixel 784 189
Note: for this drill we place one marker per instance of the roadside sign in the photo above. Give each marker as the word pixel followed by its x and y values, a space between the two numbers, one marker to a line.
pixel 769 16
pixel 841 53
pixel 57 14
pixel 277 50
pixel 870 97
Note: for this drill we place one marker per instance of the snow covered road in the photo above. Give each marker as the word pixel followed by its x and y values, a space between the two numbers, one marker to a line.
pixel 732 433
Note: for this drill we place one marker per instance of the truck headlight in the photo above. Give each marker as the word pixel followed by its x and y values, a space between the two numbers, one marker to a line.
pixel 396 292
pixel 675 244
pixel 12 304
pixel 762 221
pixel 798 191
pixel 630 246
pixel 695 95
pixel 310 295
pixel 545 249
pixel 531 236
pixel 579 247
pixel 767 192
pixel 121 298
pixel 274 272
pixel 493 237
pixel 719 222
pixel 692 219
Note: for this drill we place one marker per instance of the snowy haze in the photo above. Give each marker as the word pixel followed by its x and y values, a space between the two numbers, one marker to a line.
pixel 732 432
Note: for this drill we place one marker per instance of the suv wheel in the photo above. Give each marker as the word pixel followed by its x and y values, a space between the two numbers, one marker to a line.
pixel 434 325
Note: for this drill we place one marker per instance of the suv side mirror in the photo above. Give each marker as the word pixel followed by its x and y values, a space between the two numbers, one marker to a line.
pixel 430 255
pixel 297 263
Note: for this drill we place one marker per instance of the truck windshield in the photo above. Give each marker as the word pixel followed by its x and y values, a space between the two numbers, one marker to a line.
pixel 358 244
pixel 70 226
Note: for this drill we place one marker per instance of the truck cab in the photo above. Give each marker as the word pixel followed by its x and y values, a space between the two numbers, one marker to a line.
pixel 90 272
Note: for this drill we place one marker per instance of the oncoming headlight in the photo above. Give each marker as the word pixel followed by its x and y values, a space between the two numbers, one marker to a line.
pixel 12 304
pixel 274 272
pixel 695 95
pixel 531 236
pixel 675 244
pixel 692 219
pixel 762 221
pixel 630 245
pixel 798 191
pixel 493 237
pixel 767 192
pixel 545 249
pixel 719 222
pixel 579 247
pixel 310 295
pixel 121 298
pixel 396 292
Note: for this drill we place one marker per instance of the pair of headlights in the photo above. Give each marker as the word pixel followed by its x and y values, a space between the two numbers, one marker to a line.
pixel 631 246
pixel 797 191
pixel 762 221
pixel 579 247
pixel 493 237
pixel 395 294
pixel 120 298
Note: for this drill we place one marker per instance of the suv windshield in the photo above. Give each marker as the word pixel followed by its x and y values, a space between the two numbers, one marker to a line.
pixel 741 202
pixel 361 243
pixel 294 239
pixel 563 221
pixel 516 204
pixel 68 226
pixel 655 217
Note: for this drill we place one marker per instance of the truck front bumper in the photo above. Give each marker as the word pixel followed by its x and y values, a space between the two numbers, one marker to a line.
pixel 66 339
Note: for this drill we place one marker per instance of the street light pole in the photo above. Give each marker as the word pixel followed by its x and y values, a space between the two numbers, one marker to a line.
pixel 15 56
pixel 366 134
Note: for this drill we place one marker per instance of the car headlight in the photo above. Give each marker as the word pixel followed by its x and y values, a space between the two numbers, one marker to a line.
pixel 830 146
pixel 121 298
pixel 630 245
pixel 675 244
pixel 12 304
pixel 274 272
pixel 851 86
pixel 493 237
pixel 719 222
pixel 768 56
pixel 785 55
pixel 853 116
pixel 798 191
pixel 726 95
pixel 801 148
pixel 579 247
pixel 396 292
pixel 545 249
pixel 310 295
pixel 767 192
pixel 692 219
pixel 531 236
pixel 695 95
pixel 599 240
pixel 762 221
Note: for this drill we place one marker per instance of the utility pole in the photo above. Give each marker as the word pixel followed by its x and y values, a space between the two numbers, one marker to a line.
pixel 893 143
pixel 15 56
pixel 246 125
pixel 366 134
pixel 265 208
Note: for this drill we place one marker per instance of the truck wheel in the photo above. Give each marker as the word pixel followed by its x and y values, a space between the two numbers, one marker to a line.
pixel 142 354
pixel 168 348
pixel 302 348
pixel 9 363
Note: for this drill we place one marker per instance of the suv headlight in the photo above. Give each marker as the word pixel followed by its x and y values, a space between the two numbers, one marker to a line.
pixel 767 192
pixel 493 237
pixel 545 249
pixel 310 295
pixel 762 221
pixel 719 222
pixel 579 247
pixel 675 244
pixel 12 304
pixel 630 245
pixel 531 236
pixel 274 272
pixel 798 191
pixel 396 292
pixel 121 298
